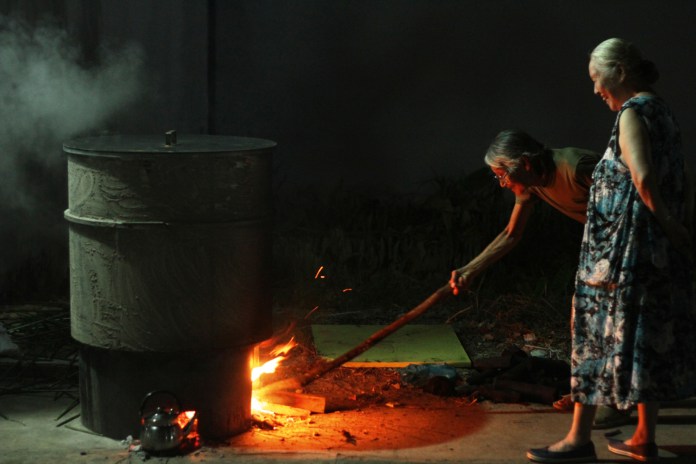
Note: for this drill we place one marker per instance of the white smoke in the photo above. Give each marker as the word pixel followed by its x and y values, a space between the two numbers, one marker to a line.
pixel 47 96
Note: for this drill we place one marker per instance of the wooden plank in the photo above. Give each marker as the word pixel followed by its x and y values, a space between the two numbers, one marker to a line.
pixel 286 410
pixel 311 403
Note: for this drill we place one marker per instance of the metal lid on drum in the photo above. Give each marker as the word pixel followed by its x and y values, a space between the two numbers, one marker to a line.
pixel 166 144
pixel 127 180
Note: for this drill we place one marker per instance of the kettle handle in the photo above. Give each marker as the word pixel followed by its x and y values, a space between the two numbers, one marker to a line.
pixel 158 392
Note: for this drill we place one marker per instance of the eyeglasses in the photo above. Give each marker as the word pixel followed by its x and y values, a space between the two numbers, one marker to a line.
pixel 502 180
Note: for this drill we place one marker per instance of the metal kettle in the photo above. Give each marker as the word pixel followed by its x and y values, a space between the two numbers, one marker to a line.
pixel 167 429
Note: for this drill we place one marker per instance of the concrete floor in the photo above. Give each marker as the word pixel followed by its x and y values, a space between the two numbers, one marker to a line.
pixel 29 434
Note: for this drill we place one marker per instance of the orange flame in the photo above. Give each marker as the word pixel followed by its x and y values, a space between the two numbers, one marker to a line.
pixel 280 352
pixel 184 418
pixel 258 406
pixel 284 349
pixel 267 368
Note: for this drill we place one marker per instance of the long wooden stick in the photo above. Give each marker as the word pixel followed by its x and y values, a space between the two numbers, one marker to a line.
pixel 324 367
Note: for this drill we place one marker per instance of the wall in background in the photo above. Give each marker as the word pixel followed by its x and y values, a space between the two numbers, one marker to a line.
pixel 376 95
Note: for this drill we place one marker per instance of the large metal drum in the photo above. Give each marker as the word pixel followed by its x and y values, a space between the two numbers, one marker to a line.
pixel 170 250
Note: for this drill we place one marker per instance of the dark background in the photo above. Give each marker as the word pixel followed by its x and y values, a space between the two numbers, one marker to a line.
pixel 374 95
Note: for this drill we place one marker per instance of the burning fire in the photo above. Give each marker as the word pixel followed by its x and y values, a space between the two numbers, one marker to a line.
pixel 269 367
pixel 184 418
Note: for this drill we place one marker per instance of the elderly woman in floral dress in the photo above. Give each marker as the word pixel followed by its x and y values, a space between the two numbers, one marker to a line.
pixel 634 314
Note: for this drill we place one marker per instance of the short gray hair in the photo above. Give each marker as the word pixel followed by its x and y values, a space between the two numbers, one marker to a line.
pixel 615 52
pixel 509 146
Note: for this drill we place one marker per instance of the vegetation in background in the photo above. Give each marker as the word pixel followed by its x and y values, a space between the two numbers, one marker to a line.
pixel 347 257
pixel 394 251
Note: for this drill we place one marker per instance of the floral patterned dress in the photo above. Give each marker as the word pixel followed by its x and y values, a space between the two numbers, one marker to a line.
pixel 634 314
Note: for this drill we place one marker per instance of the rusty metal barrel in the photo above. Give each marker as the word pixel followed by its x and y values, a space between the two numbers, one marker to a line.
pixel 170 256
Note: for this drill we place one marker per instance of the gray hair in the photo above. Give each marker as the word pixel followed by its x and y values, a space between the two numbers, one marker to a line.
pixel 509 146
pixel 615 52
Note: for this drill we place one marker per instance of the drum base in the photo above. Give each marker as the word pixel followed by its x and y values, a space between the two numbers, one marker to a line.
pixel 217 385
